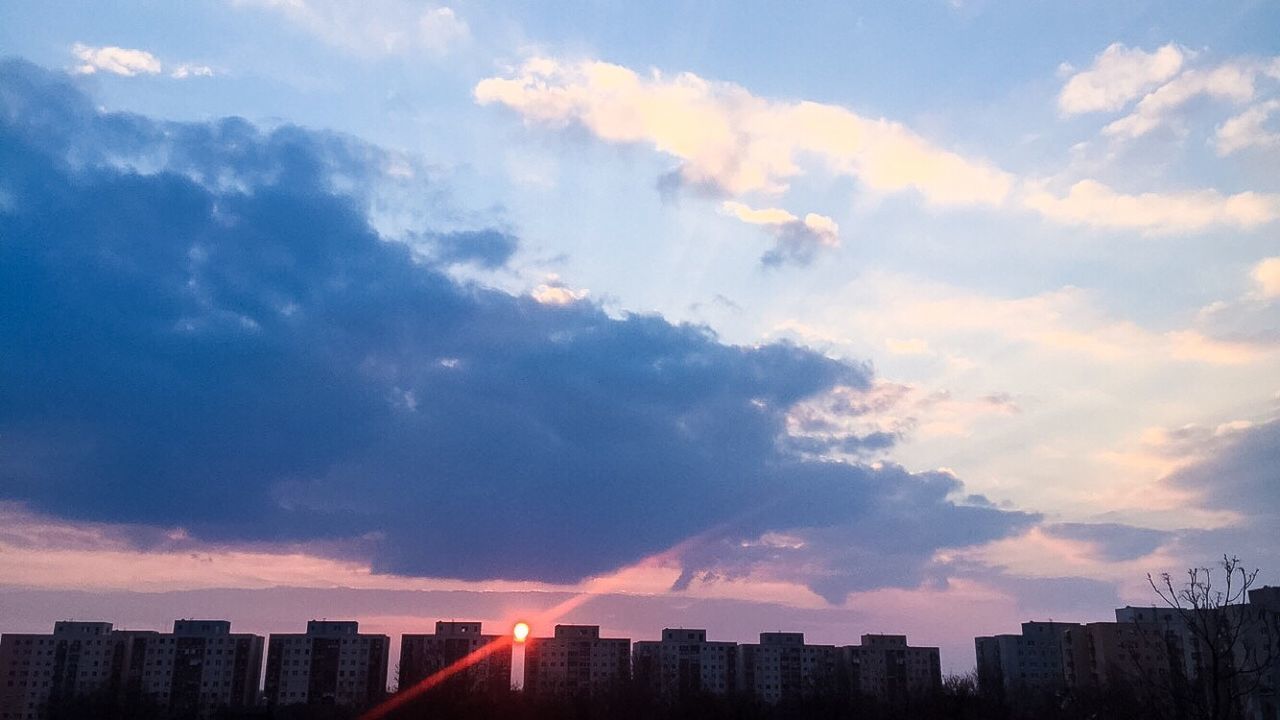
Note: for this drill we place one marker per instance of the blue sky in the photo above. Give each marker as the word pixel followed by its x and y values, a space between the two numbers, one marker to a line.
pixel 705 302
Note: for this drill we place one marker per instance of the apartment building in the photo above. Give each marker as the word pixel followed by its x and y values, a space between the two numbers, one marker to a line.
pixel 685 663
pixel 193 672
pixel 423 655
pixel 576 661
pixel 1030 662
pixel 200 667
pixel 1255 627
pixel 331 664
pixel 1101 654
pixel 77 659
pixel 782 667
pixel 886 667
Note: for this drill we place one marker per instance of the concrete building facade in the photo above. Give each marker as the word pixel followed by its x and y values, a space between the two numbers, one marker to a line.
pixel 1027 663
pixel 331 664
pixel 783 667
pixel 1103 654
pixel 576 661
pixel 886 667
pixel 423 655
pixel 192 672
pixel 685 663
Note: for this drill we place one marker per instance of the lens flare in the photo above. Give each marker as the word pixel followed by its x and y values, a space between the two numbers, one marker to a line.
pixel 520 632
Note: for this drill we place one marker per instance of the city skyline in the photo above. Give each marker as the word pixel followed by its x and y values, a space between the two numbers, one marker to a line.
pixel 903 320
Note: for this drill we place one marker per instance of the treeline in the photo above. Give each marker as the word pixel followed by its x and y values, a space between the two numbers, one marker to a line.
pixel 957 699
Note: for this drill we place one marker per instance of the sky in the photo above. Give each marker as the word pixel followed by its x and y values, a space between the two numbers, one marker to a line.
pixel 927 318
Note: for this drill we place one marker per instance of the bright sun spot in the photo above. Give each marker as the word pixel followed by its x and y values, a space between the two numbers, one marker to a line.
pixel 520 631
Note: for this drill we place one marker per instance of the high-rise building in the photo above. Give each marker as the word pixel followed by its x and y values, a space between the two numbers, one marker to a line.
pixel 782 667
pixel 423 655
pixel 203 666
pixel 1231 646
pixel 1102 654
pixel 576 661
pixel 1027 663
pixel 685 663
pixel 191 673
pixel 35 669
pixel 331 664
pixel 885 667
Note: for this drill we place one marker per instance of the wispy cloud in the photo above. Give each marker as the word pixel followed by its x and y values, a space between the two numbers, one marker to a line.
pixel 378 27
pixel 1248 130
pixel 1163 83
pixel 1232 82
pixel 1089 202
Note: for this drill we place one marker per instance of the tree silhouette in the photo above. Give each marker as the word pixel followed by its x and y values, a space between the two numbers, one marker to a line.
pixel 1232 645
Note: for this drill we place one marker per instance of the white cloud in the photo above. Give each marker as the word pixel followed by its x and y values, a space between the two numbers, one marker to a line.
pixel 374 27
pixel 129 62
pixel 1092 203
pixel 1232 82
pixel 1248 129
pixel 741 144
pixel 797 240
pixel 554 292
pixel 1117 76
pixel 738 143
pixel 115 60
pixel 1267 275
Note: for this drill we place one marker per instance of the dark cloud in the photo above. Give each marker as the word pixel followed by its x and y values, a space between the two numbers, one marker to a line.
pixel 485 248
pixel 1242 475
pixel 796 243
pixel 1115 542
pixel 198 327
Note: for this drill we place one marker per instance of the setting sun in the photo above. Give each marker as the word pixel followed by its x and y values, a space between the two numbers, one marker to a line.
pixel 520 631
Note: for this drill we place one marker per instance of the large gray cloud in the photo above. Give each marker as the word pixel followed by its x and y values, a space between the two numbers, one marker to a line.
pixel 199 327
pixel 1242 475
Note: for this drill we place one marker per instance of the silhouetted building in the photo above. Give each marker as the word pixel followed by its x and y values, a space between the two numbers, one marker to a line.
pixel 576 661
pixel 782 667
pixel 193 672
pixel 422 655
pixel 1110 654
pixel 203 666
pixel 684 663
pixel 885 667
pixel 1026 663
pixel 1169 623
pixel 76 660
pixel 1255 627
pixel 332 664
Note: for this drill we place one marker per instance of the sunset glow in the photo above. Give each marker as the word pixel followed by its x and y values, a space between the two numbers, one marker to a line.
pixel 831 318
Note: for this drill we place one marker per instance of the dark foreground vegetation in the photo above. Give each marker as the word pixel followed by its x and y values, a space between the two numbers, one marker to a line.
pixel 958 699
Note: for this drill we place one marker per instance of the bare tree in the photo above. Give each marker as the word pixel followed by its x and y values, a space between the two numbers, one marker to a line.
pixel 1232 645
